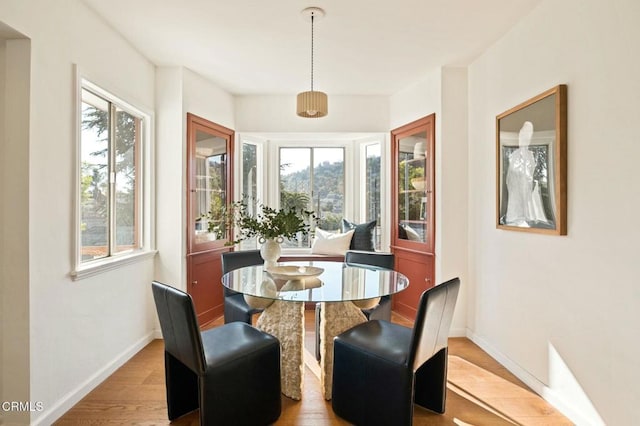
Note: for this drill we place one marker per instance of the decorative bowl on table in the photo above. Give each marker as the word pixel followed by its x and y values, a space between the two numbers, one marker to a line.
pixel 297 277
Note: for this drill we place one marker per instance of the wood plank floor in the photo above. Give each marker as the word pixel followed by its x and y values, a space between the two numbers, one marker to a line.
pixel 480 392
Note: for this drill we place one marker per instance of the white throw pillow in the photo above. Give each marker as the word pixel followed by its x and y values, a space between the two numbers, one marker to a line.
pixel 330 243
pixel 412 234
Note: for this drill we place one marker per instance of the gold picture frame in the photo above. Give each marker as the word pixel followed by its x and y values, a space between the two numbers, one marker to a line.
pixel 531 165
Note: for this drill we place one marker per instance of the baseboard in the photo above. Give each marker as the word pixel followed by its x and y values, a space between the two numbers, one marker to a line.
pixel 536 385
pixel 458 332
pixel 49 416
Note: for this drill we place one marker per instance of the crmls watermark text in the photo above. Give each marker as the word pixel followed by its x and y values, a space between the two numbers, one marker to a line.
pixel 21 406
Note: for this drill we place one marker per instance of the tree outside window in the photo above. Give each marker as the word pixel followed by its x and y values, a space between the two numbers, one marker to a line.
pixel 109 183
pixel 313 179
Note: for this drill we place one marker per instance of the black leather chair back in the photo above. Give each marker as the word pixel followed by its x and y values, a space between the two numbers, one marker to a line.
pixel 369 258
pixel 179 326
pixel 233 260
pixel 433 322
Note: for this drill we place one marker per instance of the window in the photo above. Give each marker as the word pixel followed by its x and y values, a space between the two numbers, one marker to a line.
pixel 110 183
pixel 371 190
pixel 250 175
pixel 251 192
pixel 335 175
pixel 313 179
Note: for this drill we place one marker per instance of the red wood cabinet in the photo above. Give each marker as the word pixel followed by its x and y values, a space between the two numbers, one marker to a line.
pixel 209 188
pixel 204 272
pixel 413 209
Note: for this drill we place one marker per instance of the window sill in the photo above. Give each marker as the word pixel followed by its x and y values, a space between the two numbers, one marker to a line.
pixel 99 266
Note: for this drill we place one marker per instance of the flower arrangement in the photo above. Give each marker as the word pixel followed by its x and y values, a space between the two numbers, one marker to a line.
pixel 268 223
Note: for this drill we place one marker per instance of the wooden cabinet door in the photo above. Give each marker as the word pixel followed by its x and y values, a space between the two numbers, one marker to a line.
pixel 209 189
pixel 204 273
pixel 413 209
pixel 418 267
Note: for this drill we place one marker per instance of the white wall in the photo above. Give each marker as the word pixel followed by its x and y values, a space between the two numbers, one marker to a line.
pixel 563 311
pixel 170 179
pixel 205 99
pixel 278 114
pixel 416 101
pixel 451 190
pixel 444 92
pixel 3 224
pixel 14 224
pixel 79 330
pixel 179 91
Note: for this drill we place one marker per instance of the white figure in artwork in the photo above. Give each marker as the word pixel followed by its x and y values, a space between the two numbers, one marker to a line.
pixel 525 202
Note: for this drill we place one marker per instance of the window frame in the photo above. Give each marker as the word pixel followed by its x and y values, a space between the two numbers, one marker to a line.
pixel 310 143
pixel 354 151
pixel 382 242
pixel 143 197
pixel 312 196
pixel 238 177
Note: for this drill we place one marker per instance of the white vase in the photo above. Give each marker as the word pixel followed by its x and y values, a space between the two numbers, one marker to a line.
pixel 270 251
pixel 266 293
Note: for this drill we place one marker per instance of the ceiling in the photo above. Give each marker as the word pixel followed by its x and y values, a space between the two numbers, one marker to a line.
pixel 263 47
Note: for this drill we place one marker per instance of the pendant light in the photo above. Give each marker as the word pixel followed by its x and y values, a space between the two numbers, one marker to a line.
pixel 312 104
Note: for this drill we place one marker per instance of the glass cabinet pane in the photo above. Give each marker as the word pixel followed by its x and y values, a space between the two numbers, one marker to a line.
pixel 210 187
pixel 412 188
pixel 209 183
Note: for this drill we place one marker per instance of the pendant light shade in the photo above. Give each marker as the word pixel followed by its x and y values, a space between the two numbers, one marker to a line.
pixel 312 104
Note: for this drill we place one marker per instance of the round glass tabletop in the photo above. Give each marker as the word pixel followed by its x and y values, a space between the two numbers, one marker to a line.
pixel 315 281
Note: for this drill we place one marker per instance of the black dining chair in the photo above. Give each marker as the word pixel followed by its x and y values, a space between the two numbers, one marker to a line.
pixel 380 369
pixel 376 259
pixel 382 311
pixel 235 307
pixel 232 372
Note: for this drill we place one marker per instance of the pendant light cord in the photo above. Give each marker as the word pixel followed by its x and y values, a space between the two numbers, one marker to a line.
pixel 312 13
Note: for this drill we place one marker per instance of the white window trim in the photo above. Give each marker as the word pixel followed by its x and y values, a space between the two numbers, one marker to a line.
pixel 261 151
pixel 87 269
pixel 274 176
pixel 353 144
pixel 95 267
pixel 385 213
pixel 274 188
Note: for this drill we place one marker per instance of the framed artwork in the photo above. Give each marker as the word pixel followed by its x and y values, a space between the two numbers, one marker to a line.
pixel 531 165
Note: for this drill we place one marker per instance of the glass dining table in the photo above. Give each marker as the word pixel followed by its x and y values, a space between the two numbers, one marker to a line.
pixel 282 291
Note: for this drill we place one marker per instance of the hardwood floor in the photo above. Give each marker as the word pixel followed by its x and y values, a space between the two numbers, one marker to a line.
pixel 480 392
